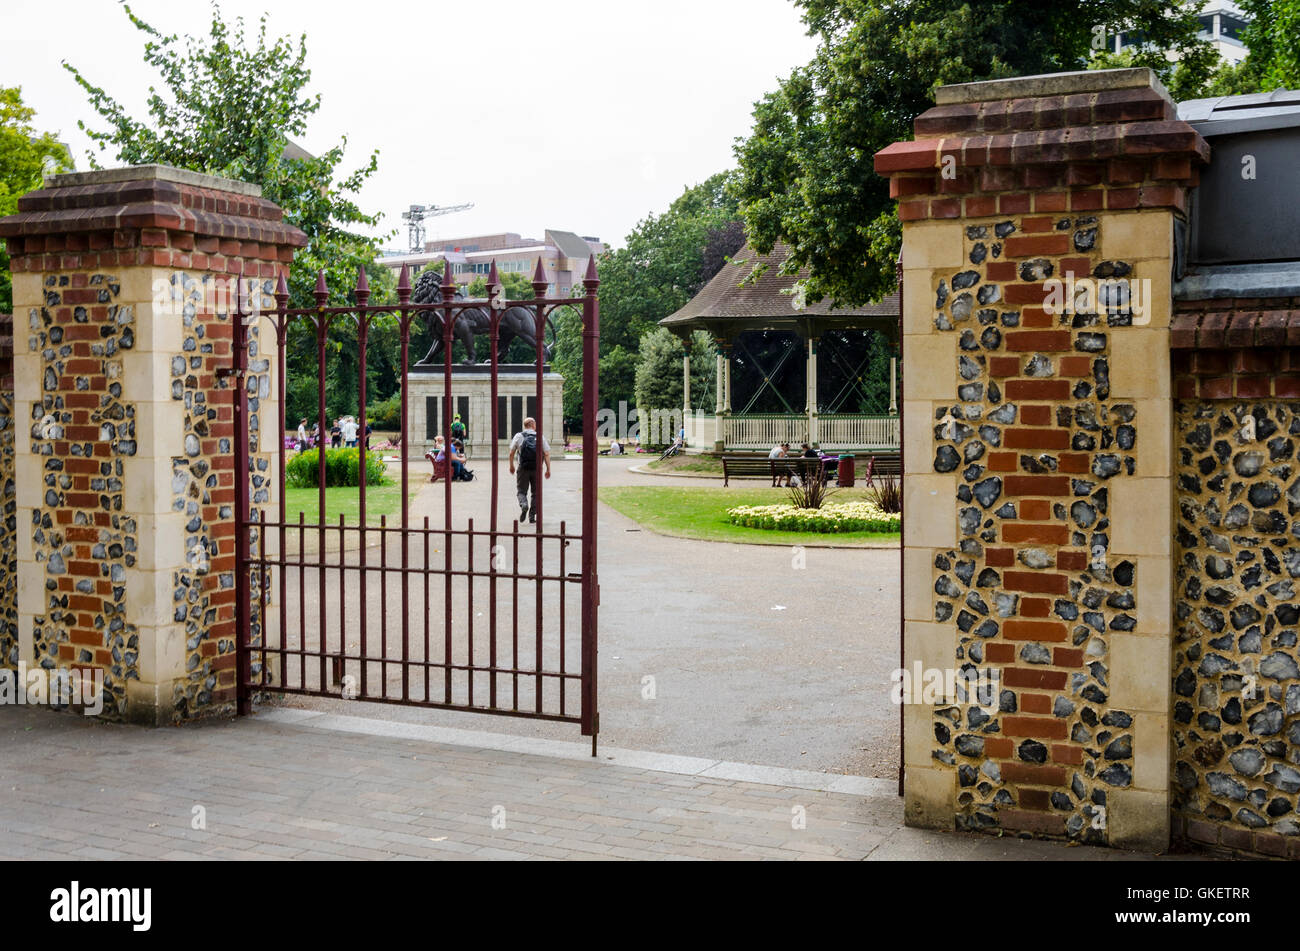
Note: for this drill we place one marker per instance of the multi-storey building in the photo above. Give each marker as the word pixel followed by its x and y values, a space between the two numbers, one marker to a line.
pixel 563 255
pixel 1222 22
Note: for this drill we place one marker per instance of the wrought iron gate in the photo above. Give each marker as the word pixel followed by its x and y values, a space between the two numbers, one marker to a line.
pixel 445 615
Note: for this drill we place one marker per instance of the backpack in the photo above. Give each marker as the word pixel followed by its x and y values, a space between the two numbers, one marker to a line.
pixel 458 430
pixel 528 451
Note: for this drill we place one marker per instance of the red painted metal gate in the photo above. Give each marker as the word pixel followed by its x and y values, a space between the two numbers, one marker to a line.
pixel 432 610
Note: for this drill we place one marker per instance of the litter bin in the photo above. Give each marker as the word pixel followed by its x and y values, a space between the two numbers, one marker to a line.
pixel 844 474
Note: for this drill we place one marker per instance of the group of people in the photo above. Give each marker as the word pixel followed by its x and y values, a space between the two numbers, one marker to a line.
pixel 782 451
pixel 344 433
pixel 530 456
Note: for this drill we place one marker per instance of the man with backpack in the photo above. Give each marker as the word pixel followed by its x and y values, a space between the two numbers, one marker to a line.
pixel 528 445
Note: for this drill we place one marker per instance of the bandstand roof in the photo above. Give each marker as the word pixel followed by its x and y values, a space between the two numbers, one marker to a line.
pixel 727 307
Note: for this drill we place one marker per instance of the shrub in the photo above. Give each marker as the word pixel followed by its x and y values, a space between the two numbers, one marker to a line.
pixel 386 414
pixel 342 468
pixel 842 517
pixel 811 492
pixel 887 493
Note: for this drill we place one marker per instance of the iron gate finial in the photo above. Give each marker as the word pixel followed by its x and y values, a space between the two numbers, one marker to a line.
pixel 404 286
pixel 539 279
pixel 362 292
pixel 322 292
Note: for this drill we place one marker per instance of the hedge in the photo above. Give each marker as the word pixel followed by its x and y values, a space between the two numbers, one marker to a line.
pixel 342 468
pixel 842 517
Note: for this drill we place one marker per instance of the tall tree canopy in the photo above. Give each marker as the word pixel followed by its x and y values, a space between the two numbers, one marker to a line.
pixel 667 259
pixel 1273 38
pixel 806 171
pixel 25 157
pixel 228 105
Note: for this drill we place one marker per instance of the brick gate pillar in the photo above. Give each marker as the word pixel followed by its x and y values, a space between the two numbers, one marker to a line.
pixel 1039 221
pixel 123 288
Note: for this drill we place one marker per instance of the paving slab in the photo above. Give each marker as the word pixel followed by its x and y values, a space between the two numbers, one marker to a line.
pixel 300 785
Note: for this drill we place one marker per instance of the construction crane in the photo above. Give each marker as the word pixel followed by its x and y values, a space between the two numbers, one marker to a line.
pixel 415 220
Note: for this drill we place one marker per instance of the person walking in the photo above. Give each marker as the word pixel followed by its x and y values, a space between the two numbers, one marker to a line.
pixel 529 445
pixel 302 435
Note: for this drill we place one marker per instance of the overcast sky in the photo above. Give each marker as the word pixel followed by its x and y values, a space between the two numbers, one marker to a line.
pixel 583 115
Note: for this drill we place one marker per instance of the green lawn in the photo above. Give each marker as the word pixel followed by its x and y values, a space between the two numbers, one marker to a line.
pixel 380 500
pixel 682 462
pixel 689 512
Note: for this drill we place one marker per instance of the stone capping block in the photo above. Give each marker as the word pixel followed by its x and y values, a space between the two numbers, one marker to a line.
pixel 1051 84
pixel 156 198
pixel 154 173
pixel 1146 138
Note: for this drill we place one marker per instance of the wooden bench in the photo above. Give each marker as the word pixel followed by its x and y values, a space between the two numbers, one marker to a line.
pixel 439 465
pixel 760 467
pixel 884 464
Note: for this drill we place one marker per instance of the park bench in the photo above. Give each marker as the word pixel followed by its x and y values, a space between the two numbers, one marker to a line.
pixel 439 466
pixel 760 467
pixel 884 464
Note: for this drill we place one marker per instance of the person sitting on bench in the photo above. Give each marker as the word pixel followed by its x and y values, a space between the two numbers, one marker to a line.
pixel 781 451
pixel 458 471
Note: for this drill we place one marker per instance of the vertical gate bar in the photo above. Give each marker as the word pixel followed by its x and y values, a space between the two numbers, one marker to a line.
pixel 539 330
pixel 282 340
pixel 428 670
pixel 362 296
pixel 322 330
pixel 514 621
pixel 262 576
pixel 469 609
pixel 564 591
pixel 404 331
pixel 343 598
pixel 494 325
pixel 363 619
pixel 590 583
pixel 302 605
pixel 383 606
pixel 448 289
pixel 244 660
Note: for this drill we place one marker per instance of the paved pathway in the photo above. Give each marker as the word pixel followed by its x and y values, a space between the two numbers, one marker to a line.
pixel 752 658
pixel 294 784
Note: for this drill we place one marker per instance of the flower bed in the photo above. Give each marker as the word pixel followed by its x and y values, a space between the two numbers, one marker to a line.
pixel 841 517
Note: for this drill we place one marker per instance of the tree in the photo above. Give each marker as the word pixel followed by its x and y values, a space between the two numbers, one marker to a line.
pixel 228 106
pixel 806 171
pixel 661 268
pixel 26 156
pixel 659 372
pixel 1273 38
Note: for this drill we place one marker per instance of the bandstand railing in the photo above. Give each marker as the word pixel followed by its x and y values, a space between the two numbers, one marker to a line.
pixel 835 431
